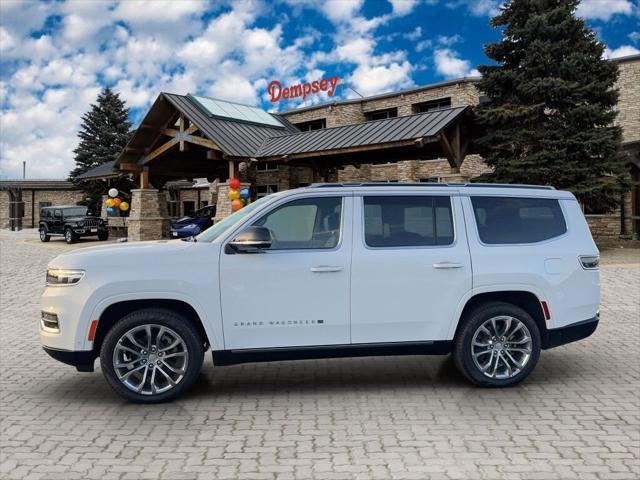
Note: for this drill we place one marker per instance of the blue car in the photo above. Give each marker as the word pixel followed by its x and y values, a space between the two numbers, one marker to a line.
pixel 194 224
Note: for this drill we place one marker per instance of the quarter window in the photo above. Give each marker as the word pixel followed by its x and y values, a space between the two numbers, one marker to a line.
pixel 509 220
pixel 309 223
pixel 408 221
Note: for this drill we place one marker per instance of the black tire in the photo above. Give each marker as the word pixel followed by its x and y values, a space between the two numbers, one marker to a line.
pixel 44 236
pixel 462 348
pixel 153 316
pixel 70 236
pixel 102 236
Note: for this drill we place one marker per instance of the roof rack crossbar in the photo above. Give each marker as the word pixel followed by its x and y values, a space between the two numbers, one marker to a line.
pixel 428 184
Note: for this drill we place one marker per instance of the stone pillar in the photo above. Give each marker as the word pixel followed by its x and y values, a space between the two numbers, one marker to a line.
pixel 149 218
pixel 407 171
pixel 284 177
pixel 223 204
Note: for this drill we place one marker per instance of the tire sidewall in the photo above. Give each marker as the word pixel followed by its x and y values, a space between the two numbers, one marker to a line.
pixel 158 316
pixel 44 237
pixel 69 236
pixel 462 353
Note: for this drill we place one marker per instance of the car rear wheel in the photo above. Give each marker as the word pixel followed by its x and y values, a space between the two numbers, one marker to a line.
pixel 498 345
pixel 152 355
pixel 69 236
pixel 44 236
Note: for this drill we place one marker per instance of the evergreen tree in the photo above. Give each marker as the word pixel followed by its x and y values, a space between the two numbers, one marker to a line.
pixel 103 134
pixel 552 97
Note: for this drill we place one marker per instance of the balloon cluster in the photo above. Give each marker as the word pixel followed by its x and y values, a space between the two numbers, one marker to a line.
pixel 239 198
pixel 114 203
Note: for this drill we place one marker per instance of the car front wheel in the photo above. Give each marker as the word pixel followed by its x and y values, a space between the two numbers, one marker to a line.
pixel 498 345
pixel 102 236
pixel 152 355
pixel 69 236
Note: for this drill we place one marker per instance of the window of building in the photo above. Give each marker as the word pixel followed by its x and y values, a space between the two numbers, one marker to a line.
pixel 266 166
pixel 432 105
pixel 411 221
pixel 264 190
pixel 188 207
pixel 203 203
pixel 508 220
pixel 309 223
pixel 430 180
pixel 381 114
pixel 318 124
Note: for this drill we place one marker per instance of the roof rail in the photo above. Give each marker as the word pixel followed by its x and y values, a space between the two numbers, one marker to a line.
pixel 428 184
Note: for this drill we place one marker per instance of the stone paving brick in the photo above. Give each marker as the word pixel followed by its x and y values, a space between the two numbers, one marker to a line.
pixel 576 417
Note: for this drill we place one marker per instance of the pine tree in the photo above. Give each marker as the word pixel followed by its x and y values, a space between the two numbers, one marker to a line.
pixel 552 97
pixel 103 134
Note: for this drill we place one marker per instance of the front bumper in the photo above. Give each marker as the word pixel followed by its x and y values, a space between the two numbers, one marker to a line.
pixel 90 230
pixel 83 361
pixel 571 333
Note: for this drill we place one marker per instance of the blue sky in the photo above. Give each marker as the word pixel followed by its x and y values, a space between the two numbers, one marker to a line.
pixel 55 56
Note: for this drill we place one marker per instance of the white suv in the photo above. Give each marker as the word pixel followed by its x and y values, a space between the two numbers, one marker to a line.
pixel 489 273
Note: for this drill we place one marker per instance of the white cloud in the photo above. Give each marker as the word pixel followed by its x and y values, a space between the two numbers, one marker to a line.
pixel 414 34
pixel 371 79
pixel 478 8
pixel 403 7
pixel 342 10
pixel 604 9
pixel 423 45
pixel 622 51
pixel 450 65
pixel 634 37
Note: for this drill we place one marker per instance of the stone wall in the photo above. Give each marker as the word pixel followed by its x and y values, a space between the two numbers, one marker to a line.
pixel 148 219
pixel 32 208
pixel 629 100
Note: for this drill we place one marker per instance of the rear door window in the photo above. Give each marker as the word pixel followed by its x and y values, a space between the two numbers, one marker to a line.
pixel 512 220
pixel 407 221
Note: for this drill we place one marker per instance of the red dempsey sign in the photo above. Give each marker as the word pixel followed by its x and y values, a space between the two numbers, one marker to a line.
pixel 277 92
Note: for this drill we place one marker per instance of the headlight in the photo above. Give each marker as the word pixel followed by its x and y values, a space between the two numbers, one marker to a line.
pixel 191 225
pixel 80 224
pixel 57 277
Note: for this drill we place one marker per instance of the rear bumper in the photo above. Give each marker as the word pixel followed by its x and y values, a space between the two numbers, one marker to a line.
pixel 571 333
pixel 83 361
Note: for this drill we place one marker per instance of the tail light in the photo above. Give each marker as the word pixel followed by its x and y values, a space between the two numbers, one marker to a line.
pixel 590 262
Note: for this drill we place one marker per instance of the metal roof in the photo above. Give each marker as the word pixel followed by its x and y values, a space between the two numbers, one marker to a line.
pixel 101 171
pixel 390 130
pixel 37 184
pixel 235 138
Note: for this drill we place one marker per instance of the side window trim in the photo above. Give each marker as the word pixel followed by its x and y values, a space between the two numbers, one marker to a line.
pixel 449 195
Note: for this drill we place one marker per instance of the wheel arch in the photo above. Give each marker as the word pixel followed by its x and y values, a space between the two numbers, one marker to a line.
pixel 117 310
pixel 525 299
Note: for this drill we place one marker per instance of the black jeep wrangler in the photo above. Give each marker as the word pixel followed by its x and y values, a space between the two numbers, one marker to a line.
pixel 71 221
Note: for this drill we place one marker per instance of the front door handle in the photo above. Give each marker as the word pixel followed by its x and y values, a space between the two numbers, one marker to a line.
pixel 447 265
pixel 325 269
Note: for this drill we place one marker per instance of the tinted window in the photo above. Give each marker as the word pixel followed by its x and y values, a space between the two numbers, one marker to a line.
pixel 304 224
pixel 407 221
pixel 75 212
pixel 517 220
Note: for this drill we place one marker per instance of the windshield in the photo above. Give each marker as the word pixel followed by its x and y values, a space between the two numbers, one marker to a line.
pixel 75 212
pixel 210 234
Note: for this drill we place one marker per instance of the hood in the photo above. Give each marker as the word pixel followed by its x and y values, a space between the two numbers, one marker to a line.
pixel 187 220
pixel 80 218
pixel 116 254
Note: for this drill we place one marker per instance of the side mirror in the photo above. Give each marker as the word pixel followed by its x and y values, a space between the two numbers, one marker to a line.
pixel 251 240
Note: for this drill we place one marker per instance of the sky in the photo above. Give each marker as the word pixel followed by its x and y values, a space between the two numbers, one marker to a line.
pixel 56 56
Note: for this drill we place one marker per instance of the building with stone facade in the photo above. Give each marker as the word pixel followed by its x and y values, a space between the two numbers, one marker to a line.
pixel 421 134
pixel 33 195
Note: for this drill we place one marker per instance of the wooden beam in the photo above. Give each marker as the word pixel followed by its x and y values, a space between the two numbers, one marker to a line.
pixel 233 169
pixel 144 178
pixel 130 167
pixel 159 151
pixel 448 150
pixel 181 125
pixel 203 142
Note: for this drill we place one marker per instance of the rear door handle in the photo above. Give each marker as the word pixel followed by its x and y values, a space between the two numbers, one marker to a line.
pixel 325 269
pixel 446 265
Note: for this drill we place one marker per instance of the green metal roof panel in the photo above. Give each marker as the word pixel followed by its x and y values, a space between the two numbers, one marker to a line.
pixel 235 111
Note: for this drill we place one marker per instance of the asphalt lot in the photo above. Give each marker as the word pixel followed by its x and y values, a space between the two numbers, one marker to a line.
pixel 576 417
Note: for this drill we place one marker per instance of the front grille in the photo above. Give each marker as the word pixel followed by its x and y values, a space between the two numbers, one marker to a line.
pixel 92 222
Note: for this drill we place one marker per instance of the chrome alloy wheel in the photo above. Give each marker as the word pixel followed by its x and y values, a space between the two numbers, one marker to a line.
pixel 150 359
pixel 501 347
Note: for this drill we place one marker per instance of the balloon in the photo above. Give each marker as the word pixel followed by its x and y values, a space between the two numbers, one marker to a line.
pixel 111 211
pixel 117 201
pixel 234 184
pixel 234 194
pixel 244 193
pixel 124 206
pixel 113 192
pixel 236 205
pixel 109 202
pixel 244 202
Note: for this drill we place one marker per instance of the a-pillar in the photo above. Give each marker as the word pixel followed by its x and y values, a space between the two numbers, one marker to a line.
pixel 223 204
pixel 149 219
